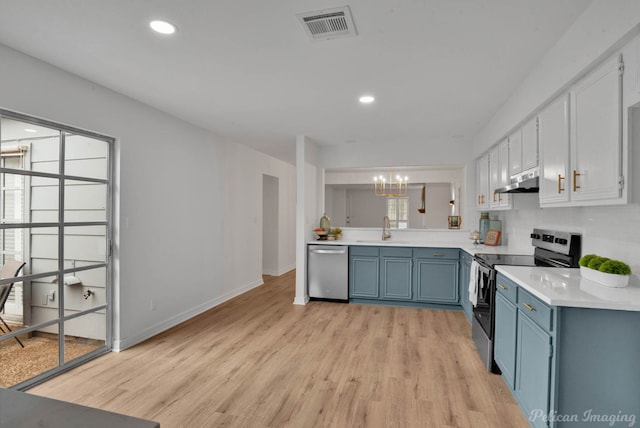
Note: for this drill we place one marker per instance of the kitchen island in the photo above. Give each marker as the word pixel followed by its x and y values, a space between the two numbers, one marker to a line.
pixel 20 409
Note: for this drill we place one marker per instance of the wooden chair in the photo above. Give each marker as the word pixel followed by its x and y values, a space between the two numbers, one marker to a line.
pixel 11 269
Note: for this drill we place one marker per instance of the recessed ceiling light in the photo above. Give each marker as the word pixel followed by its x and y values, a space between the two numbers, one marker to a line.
pixel 163 27
pixel 30 130
pixel 367 99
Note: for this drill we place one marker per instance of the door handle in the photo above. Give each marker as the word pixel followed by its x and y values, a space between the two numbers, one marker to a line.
pixel 560 188
pixel 575 180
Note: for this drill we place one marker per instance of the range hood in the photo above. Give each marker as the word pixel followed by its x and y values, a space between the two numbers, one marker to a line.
pixel 526 182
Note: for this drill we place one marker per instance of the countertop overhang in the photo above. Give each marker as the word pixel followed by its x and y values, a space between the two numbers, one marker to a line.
pixel 566 287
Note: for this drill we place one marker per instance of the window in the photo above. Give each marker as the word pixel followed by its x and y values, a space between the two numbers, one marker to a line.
pixel 398 212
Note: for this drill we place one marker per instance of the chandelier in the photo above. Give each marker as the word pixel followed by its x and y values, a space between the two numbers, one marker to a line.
pixel 391 187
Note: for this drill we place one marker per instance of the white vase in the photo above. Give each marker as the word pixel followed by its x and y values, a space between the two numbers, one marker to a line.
pixel 608 279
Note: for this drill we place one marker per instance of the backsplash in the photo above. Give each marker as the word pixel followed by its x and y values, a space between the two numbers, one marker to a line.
pixel 612 231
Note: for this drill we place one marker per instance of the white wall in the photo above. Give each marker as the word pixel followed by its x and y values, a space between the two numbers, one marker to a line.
pixel 187 227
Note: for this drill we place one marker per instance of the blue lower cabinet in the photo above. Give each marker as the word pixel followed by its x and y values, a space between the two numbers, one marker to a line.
pixel 396 278
pixel 414 277
pixel 504 341
pixel 436 281
pixel 572 365
pixel 533 376
pixel 364 272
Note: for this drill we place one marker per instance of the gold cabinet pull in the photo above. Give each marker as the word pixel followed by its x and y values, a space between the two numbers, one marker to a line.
pixel 502 286
pixel 575 180
pixel 483 198
pixel 494 196
pixel 560 188
pixel 437 255
pixel 500 197
pixel 479 200
pixel 528 306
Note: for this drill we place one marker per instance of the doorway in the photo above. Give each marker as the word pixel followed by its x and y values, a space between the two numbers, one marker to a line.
pixel 270 227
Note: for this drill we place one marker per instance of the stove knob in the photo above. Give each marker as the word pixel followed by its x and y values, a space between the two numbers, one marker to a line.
pixel 561 241
pixel 535 236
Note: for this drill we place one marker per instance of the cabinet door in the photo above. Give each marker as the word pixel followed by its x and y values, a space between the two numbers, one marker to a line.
pixel 504 178
pixel 494 176
pixel 396 278
pixel 515 152
pixel 533 367
pixel 364 277
pixel 530 144
pixel 504 347
pixel 553 137
pixel 437 280
pixel 596 137
pixel 482 182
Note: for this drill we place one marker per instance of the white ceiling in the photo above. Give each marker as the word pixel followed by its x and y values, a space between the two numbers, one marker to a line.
pixel 245 69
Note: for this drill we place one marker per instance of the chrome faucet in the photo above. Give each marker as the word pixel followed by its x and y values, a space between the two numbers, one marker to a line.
pixel 386 225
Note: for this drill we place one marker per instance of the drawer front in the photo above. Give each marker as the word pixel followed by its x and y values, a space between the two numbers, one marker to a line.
pixel 437 253
pixel 535 309
pixel 396 252
pixel 507 288
pixel 364 251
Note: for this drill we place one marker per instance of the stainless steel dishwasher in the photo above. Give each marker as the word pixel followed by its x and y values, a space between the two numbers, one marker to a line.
pixel 328 272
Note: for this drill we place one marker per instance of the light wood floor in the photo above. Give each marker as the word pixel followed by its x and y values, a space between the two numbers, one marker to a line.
pixel 260 361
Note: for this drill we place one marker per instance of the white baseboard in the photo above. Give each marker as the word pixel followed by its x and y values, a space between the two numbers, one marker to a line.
pixel 122 344
pixel 303 300
pixel 280 271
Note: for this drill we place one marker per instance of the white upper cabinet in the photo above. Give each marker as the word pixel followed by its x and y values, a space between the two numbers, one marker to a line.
pixel 553 133
pixel 523 148
pixel 499 175
pixel 530 144
pixel 596 134
pixel 482 182
pixel 515 152
pixel 581 152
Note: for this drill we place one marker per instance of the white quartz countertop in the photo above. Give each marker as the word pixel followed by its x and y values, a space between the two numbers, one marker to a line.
pixel 466 245
pixel 566 287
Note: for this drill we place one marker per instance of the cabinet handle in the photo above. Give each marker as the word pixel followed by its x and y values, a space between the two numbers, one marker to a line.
pixel 478 199
pixel 528 306
pixel 560 188
pixel 437 254
pixel 499 197
pixel 482 199
pixel 494 196
pixel 502 286
pixel 575 180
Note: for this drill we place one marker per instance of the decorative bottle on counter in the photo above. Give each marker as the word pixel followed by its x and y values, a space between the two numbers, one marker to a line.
pixel 325 222
pixel 484 225
pixel 496 224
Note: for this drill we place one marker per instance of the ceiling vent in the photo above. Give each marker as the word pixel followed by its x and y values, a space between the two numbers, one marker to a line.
pixel 328 24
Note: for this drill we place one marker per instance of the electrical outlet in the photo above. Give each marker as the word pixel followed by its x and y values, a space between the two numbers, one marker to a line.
pixel 51 296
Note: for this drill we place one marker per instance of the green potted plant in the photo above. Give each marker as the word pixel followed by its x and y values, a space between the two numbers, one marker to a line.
pixel 612 273
pixel 337 232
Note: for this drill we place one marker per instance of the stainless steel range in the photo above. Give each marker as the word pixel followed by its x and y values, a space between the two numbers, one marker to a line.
pixel 551 249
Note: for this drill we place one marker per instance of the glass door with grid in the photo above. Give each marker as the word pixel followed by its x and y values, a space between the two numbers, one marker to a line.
pixel 55 206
